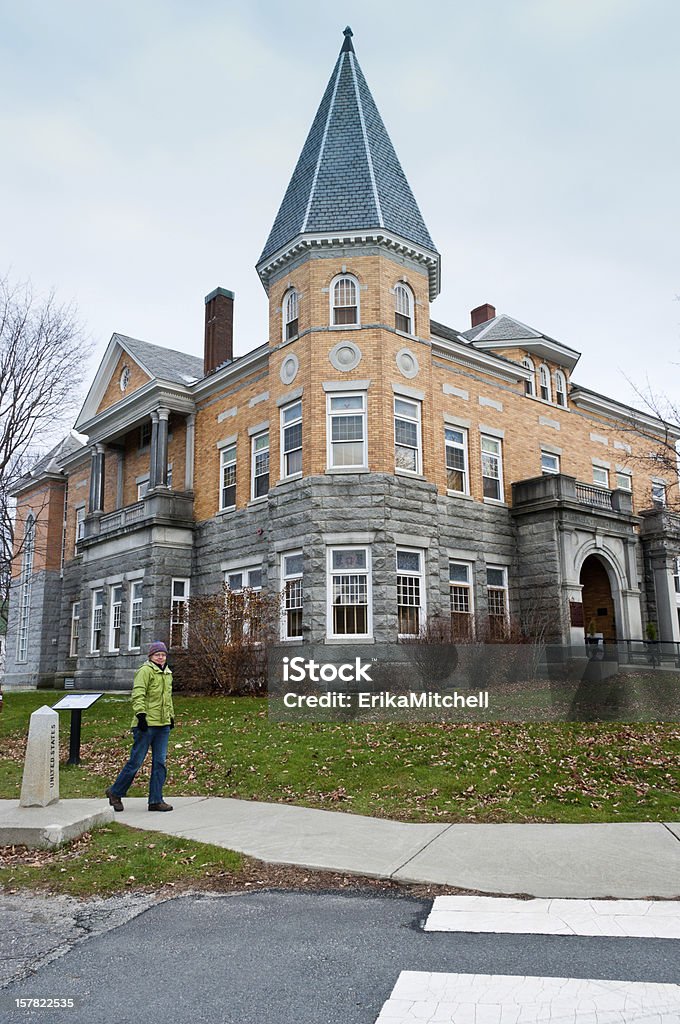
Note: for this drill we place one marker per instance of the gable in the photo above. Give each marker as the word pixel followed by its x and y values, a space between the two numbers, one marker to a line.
pixel 136 378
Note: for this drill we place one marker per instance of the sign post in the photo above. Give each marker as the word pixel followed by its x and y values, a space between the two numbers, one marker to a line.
pixel 76 703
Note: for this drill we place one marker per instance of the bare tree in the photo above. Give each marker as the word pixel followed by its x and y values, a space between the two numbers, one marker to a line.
pixel 42 354
pixel 659 456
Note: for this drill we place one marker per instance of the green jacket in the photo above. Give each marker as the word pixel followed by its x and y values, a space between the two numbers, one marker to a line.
pixel 152 694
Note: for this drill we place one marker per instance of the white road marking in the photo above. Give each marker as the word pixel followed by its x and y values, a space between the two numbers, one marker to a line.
pixel 423 998
pixel 649 919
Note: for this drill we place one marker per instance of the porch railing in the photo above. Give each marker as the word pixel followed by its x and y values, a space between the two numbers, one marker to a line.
pixel 597 496
pixel 123 517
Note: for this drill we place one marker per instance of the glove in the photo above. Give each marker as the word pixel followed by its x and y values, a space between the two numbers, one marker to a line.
pixel 141 721
pixel 172 723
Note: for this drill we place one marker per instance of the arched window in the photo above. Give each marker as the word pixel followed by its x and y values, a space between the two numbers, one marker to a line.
pixel 344 301
pixel 25 593
pixel 560 389
pixel 544 375
pixel 403 309
pixel 290 315
pixel 529 385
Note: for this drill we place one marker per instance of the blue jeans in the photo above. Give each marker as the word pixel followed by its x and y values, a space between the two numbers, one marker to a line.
pixel 156 737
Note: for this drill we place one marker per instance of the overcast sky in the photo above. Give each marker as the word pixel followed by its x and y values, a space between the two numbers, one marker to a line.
pixel 147 146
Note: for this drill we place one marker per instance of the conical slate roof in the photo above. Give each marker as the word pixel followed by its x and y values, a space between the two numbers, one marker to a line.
pixel 348 177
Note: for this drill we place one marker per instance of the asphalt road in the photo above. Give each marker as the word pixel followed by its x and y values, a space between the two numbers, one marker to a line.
pixel 297 958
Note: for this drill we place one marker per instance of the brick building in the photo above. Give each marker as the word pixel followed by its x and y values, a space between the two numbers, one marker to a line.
pixel 376 466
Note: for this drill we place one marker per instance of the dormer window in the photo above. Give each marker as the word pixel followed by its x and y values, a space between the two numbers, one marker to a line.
pixel 290 315
pixel 529 385
pixel 560 389
pixel 344 301
pixel 544 377
pixel 403 309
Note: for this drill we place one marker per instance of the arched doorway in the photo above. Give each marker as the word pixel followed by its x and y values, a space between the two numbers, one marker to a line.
pixel 598 602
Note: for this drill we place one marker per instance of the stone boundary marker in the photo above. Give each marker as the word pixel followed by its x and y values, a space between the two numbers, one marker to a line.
pixel 40 785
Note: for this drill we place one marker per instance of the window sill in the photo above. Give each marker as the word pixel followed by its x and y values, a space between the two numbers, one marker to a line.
pixel 496 501
pixel 459 494
pixel 344 327
pixel 408 472
pixel 287 479
pixel 333 640
pixel 257 501
pixel 335 470
pixel 226 511
pixel 403 334
pixel 550 405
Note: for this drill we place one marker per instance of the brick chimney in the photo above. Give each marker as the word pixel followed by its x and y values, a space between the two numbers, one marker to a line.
pixel 482 314
pixel 219 329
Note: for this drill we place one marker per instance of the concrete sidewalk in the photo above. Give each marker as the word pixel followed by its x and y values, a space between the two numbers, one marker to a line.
pixel 623 860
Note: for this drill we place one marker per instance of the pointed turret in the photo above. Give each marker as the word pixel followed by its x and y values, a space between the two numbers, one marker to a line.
pixel 348 183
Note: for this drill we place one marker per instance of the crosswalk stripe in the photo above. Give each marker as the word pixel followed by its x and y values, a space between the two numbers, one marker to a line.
pixel 440 998
pixel 652 919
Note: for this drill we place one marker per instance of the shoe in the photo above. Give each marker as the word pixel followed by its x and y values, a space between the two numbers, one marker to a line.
pixel 114 800
pixel 162 806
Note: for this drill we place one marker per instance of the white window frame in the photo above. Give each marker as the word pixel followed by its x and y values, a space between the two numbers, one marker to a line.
pixel 498 457
pixel 498 589
pixel 254 454
pixel 334 307
pixel 291 312
pixel 245 572
pixel 404 306
pixel 228 463
pixel 453 445
pixel 81 512
pixel 136 597
pixel 658 494
pixel 418 578
pixel 628 486
pixel 142 487
pixel 676 575
pixel 544 383
pixel 548 469
pixel 414 417
pixel 289 410
pixel 115 617
pixel 97 620
pixel 604 480
pixel 292 594
pixel 560 389
pixel 468 589
pixel 333 414
pixel 26 588
pixel 332 574
pixel 529 385
pixel 177 617
pixel 75 630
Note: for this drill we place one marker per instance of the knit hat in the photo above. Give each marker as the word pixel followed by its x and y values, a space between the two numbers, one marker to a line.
pixel 157 647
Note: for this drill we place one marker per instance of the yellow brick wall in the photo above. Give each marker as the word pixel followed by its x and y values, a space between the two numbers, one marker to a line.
pixel 46 503
pixel 78 494
pixel 138 378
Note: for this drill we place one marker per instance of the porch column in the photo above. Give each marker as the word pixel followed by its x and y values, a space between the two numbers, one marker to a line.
pixel 96 501
pixel 162 448
pixel 666 604
pixel 153 452
pixel 189 452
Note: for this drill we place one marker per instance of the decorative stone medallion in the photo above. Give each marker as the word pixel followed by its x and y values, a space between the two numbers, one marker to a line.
pixel 289 369
pixel 124 378
pixel 407 363
pixel 345 356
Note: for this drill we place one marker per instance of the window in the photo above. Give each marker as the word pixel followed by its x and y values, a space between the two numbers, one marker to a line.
pixel 291 439
pixel 136 616
pixel 497 602
pixel 142 487
pixel 179 617
pixel 290 315
pixel 145 434
pixel 600 476
pixel 80 526
pixel 659 495
pixel 544 376
pixel 97 621
pixel 242 606
pixel 403 309
pixel 676 575
pixel 549 463
pixel 456 460
pixel 410 592
pixel 291 579
pixel 260 464
pixel 492 468
pixel 228 477
pixel 624 481
pixel 63 532
pixel 349 592
pixel 115 610
pixel 75 629
pixel 25 593
pixel 529 385
pixel 344 301
pixel 407 449
pixel 347 430
pixel 460 597
pixel 560 389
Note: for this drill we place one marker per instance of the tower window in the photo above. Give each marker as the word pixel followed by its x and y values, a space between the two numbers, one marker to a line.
pixel 403 309
pixel 290 315
pixel 529 385
pixel 345 301
pixel 544 375
pixel 560 389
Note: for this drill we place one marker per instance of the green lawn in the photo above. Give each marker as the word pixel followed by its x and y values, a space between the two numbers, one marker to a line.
pixel 577 772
